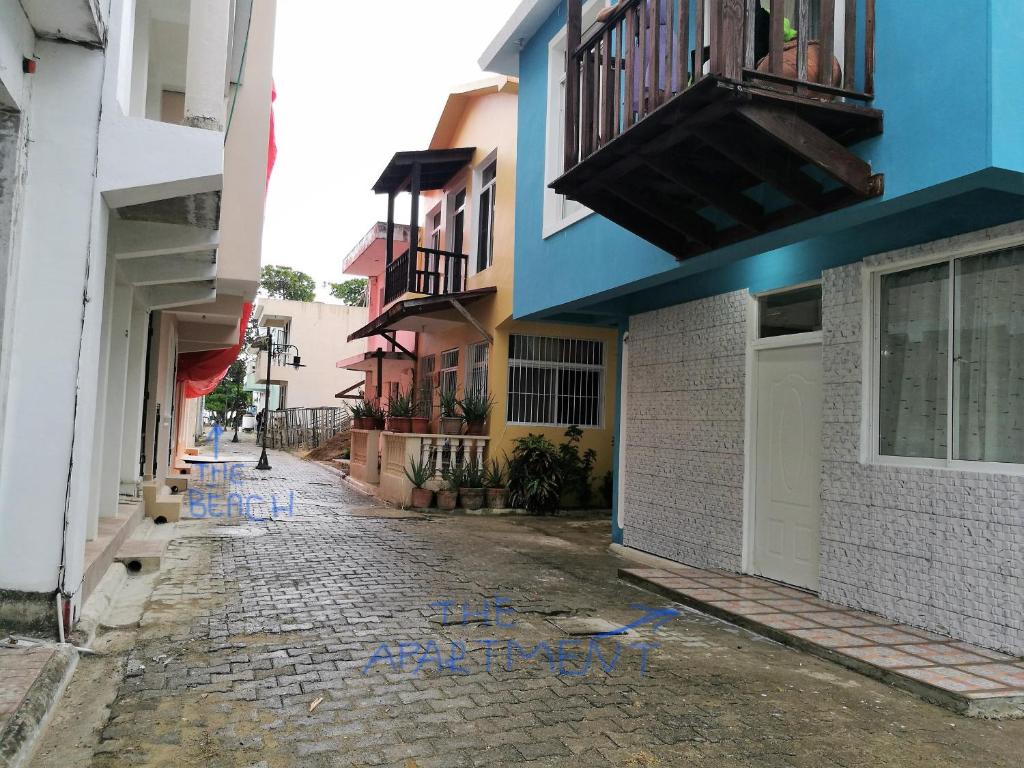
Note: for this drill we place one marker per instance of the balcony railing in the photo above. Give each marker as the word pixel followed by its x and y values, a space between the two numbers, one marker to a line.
pixel 434 273
pixel 647 52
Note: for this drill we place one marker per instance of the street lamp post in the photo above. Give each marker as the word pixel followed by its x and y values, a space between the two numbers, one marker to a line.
pixel 272 348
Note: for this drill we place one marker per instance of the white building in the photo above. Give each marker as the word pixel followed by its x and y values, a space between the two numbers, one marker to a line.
pixel 319 332
pixel 134 142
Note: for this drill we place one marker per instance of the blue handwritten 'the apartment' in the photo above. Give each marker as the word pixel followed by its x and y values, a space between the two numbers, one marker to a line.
pixel 806 218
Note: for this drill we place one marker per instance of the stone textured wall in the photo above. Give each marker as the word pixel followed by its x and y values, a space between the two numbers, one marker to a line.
pixel 684 430
pixel 937 549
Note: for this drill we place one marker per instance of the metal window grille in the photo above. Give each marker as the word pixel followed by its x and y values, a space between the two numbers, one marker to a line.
pixel 477 377
pixel 449 371
pixel 554 381
pixel 426 385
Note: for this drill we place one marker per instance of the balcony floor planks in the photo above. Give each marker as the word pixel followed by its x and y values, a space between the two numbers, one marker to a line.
pixel 675 136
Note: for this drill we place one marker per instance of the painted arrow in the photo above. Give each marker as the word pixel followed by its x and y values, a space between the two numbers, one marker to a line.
pixel 215 434
pixel 656 617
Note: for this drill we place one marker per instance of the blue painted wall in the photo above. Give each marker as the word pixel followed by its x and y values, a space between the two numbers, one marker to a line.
pixel 949 84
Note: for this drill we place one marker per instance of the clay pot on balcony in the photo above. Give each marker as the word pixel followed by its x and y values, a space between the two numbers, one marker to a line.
pixel 497 498
pixel 476 428
pixel 422 498
pixel 447 500
pixel 789 68
pixel 419 425
pixel 472 498
pixel 451 425
pixel 400 424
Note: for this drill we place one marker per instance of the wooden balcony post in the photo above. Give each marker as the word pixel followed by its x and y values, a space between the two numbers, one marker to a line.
pixel 573 32
pixel 391 229
pixel 414 224
pixel 730 52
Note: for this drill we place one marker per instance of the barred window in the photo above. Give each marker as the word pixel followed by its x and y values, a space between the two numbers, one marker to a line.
pixel 449 371
pixel 425 395
pixel 556 382
pixel 477 374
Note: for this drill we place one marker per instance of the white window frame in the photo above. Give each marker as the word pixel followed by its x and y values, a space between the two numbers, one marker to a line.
pixel 442 370
pixel 871 322
pixel 554 217
pixel 472 365
pixel 477 211
pixel 602 369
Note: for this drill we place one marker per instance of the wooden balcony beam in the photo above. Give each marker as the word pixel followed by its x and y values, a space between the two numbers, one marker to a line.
pixel 773 168
pixel 628 215
pixel 674 216
pixel 801 138
pixel 737 205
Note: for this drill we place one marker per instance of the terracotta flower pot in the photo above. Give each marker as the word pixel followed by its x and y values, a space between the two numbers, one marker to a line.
pixel 789 63
pixel 472 498
pixel 419 425
pixel 475 428
pixel 377 424
pixel 447 500
pixel 363 423
pixel 497 498
pixel 400 424
pixel 451 425
pixel 422 498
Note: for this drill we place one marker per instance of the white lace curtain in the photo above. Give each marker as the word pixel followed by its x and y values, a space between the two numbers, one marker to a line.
pixel 988 361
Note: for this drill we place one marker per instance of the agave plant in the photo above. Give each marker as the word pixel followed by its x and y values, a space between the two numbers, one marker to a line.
pixel 418 472
pixel 495 475
pixel 475 406
pixel 448 403
pixel 472 475
pixel 452 477
pixel 400 406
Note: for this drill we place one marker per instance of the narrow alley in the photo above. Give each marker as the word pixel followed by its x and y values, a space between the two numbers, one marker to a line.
pixel 261 645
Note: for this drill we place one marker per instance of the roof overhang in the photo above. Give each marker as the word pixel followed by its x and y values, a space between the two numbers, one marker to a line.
pixel 431 314
pixel 502 55
pixel 437 168
pixel 368 257
pixel 460 98
pixel 367 361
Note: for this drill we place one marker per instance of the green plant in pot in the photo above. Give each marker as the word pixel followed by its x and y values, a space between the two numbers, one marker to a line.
pixel 471 490
pixel 419 473
pixel 535 475
pixel 358 411
pixel 374 414
pixel 400 412
pixel 451 480
pixel 475 407
pixel 420 421
pixel 496 484
pixel 451 421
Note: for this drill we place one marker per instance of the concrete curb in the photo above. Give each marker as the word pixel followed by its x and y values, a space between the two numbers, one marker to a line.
pixel 20 735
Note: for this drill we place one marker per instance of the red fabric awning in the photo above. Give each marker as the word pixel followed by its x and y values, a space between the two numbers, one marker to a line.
pixel 200 372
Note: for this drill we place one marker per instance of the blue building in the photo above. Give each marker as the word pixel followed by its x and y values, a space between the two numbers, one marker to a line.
pixel 817 274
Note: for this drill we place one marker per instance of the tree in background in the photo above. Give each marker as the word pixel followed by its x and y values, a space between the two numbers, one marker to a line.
pixel 287 283
pixel 229 400
pixel 353 293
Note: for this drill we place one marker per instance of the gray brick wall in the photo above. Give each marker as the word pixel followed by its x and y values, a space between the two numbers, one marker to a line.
pixel 937 549
pixel 685 431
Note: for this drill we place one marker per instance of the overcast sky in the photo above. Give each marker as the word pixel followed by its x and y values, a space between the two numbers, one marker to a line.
pixel 356 82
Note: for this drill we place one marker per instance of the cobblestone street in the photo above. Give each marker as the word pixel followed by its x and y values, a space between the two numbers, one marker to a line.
pixel 296 641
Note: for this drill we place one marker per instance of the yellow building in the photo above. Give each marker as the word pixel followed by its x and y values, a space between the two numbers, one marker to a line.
pixel 453 302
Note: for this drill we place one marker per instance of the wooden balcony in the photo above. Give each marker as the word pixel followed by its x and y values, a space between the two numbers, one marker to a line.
pixel 432 273
pixel 695 124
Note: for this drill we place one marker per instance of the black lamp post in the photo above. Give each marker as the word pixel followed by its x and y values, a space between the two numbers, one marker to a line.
pixel 272 349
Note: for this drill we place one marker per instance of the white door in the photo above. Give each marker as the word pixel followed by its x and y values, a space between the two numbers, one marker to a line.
pixel 787 490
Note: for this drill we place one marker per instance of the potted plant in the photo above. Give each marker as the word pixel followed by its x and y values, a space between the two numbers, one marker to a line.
pixel 420 421
pixel 400 412
pixel 374 415
pixel 419 473
pixel 535 475
pixel 448 495
pixel 471 489
pixel 451 421
pixel 475 407
pixel 358 411
pixel 495 484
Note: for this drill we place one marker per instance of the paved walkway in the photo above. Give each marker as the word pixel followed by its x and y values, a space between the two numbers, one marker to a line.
pixel 333 637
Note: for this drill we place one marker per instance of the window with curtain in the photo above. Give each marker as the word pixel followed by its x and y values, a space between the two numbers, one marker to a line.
pixel 951 360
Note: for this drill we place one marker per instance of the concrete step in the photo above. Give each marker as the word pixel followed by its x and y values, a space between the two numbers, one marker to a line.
pixel 112 533
pixel 141 555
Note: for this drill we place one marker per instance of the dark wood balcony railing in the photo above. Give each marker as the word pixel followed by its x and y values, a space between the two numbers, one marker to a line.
pixel 649 51
pixel 435 273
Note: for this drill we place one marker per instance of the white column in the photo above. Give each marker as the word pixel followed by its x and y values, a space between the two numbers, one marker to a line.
pixel 99 417
pixel 117 383
pixel 206 72
pixel 135 384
